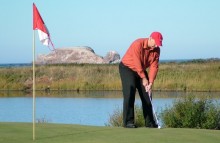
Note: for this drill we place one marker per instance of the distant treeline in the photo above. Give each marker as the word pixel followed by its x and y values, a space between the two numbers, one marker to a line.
pixel 195 75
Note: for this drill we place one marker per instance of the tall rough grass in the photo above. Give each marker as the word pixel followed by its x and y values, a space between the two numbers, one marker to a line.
pixel 171 76
pixel 189 77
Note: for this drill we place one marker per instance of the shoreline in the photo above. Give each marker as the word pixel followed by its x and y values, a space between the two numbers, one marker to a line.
pixel 73 90
pixel 103 94
pixel 29 64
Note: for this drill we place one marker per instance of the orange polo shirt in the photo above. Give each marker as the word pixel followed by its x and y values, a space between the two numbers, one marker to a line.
pixel 139 59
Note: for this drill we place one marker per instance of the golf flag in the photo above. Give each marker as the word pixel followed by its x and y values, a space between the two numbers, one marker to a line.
pixel 44 36
pixel 38 24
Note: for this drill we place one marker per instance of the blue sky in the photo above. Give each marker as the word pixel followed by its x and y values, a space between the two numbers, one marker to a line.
pixel 190 28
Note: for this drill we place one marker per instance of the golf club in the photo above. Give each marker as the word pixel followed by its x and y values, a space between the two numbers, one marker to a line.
pixel 154 114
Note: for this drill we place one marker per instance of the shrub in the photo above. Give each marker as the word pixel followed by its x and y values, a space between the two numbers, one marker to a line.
pixel 191 112
pixel 42 120
pixel 116 119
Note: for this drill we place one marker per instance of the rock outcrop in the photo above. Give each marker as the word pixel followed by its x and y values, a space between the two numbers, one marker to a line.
pixel 79 55
pixel 112 57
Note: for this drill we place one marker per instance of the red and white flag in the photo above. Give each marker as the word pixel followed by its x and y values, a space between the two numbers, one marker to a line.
pixel 38 24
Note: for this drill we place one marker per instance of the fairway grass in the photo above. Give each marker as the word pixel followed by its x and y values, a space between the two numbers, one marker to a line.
pixel 59 133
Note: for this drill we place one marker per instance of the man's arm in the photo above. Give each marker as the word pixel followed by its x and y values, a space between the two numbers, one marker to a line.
pixel 153 69
pixel 137 60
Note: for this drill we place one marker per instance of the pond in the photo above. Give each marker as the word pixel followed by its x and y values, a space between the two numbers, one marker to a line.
pixel 85 108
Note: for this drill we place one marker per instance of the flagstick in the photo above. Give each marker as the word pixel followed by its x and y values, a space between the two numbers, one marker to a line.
pixel 33 85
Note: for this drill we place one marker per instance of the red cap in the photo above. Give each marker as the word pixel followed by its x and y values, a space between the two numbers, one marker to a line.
pixel 157 36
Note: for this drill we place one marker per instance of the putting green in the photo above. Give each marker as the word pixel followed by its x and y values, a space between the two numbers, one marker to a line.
pixel 59 133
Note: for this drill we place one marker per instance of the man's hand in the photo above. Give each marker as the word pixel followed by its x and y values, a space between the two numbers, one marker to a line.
pixel 148 87
pixel 144 82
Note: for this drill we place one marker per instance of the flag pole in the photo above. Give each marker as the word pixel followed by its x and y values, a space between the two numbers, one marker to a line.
pixel 33 65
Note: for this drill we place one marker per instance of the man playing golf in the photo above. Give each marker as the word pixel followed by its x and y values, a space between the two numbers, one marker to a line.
pixel 143 53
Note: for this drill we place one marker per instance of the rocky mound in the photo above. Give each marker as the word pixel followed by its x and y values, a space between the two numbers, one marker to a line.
pixel 77 55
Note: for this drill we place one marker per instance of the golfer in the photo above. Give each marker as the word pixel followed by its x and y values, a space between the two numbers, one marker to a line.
pixel 143 53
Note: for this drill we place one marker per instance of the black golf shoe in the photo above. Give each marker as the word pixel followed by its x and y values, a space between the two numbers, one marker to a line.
pixel 130 126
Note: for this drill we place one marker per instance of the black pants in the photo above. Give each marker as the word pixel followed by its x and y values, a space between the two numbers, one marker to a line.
pixel 130 82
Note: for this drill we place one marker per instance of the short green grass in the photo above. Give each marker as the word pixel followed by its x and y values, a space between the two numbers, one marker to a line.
pixel 57 133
